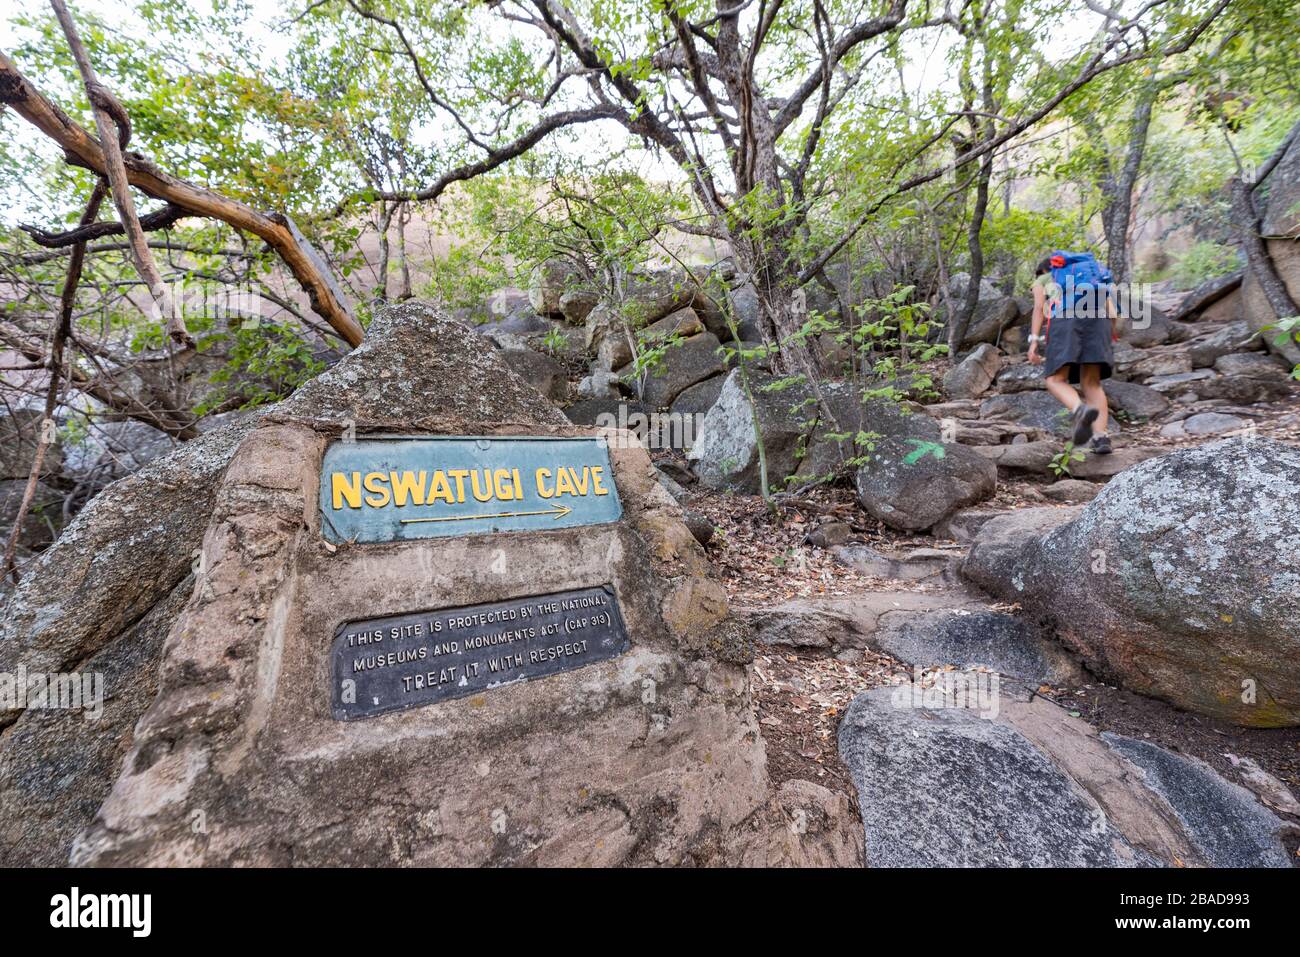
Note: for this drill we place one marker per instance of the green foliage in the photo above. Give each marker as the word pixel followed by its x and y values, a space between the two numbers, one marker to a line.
pixel 1205 260
pixel 266 361
pixel 1061 462
pixel 1020 237
pixel 555 340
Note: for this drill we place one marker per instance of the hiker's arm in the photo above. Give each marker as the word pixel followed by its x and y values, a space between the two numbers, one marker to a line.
pixel 1036 322
pixel 1114 317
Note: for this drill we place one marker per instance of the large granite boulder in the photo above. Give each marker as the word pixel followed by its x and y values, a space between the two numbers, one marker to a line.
pixel 684 364
pixel 960 772
pixel 994 311
pixel 548 284
pixel 726 451
pixel 1177 581
pixel 974 374
pixel 912 484
pixel 649 756
pixel 1037 409
pixel 964 637
pixel 746 312
pixel 1229 338
pixel 1136 400
pixel 1001 542
pixel 103 594
pixel 699 398
pixel 845 421
pixel 1148 325
pixel 205 592
pixel 539 370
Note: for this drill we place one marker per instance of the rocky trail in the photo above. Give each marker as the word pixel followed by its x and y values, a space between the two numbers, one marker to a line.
pixel 958 649
pixel 828 629
pixel 848 595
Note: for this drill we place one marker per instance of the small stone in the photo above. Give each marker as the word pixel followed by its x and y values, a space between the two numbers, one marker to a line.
pixel 828 534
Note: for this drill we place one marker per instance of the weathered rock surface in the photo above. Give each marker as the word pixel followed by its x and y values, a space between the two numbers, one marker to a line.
pixel 831 444
pixel 699 398
pixel 726 455
pixel 1229 338
pixel 1136 400
pixel 1196 303
pixel 840 624
pixel 990 639
pixel 912 484
pixel 1150 329
pixel 1252 365
pixel 1223 820
pixel 1001 542
pixel 994 311
pixel 1203 423
pixel 618 412
pixel 1034 408
pixel 1279 227
pixel 944 787
pixel 1072 491
pixel 964 525
pixel 974 374
pixel 1021 456
pixel 1124 457
pixel 912 565
pixel 653 757
pixel 548 284
pixel 1178 581
pixel 137 541
pixel 57 766
pixel 688 362
pixel 1011 780
pixel 1020 378
pixel 540 371
pixel 683 322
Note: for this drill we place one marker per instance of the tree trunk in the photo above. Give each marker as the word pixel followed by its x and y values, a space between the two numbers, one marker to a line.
pixel 385 220
pixel 403 217
pixel 961 322
pixel 1117 189
pixel 1258 259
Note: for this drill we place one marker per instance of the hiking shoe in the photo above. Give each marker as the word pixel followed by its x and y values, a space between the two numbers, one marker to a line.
pixel 1084 416
pixel 1101 445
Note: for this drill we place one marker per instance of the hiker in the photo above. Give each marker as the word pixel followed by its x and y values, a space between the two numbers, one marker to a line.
pixel 1072 333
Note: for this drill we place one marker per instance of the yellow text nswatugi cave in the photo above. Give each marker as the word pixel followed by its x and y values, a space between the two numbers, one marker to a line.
pixel 452 486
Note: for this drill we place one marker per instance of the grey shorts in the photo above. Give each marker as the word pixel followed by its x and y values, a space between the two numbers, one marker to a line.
pixel 1075 341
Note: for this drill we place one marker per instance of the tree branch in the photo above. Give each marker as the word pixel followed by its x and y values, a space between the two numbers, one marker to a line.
pixel 82 149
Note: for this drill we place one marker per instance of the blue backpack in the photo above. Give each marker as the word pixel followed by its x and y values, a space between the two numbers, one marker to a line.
pixel 1085 284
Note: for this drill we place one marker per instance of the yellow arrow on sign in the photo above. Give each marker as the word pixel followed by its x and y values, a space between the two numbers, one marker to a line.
pixel 559 511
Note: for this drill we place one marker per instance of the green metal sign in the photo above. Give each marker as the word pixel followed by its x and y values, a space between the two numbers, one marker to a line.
pixel 396 489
